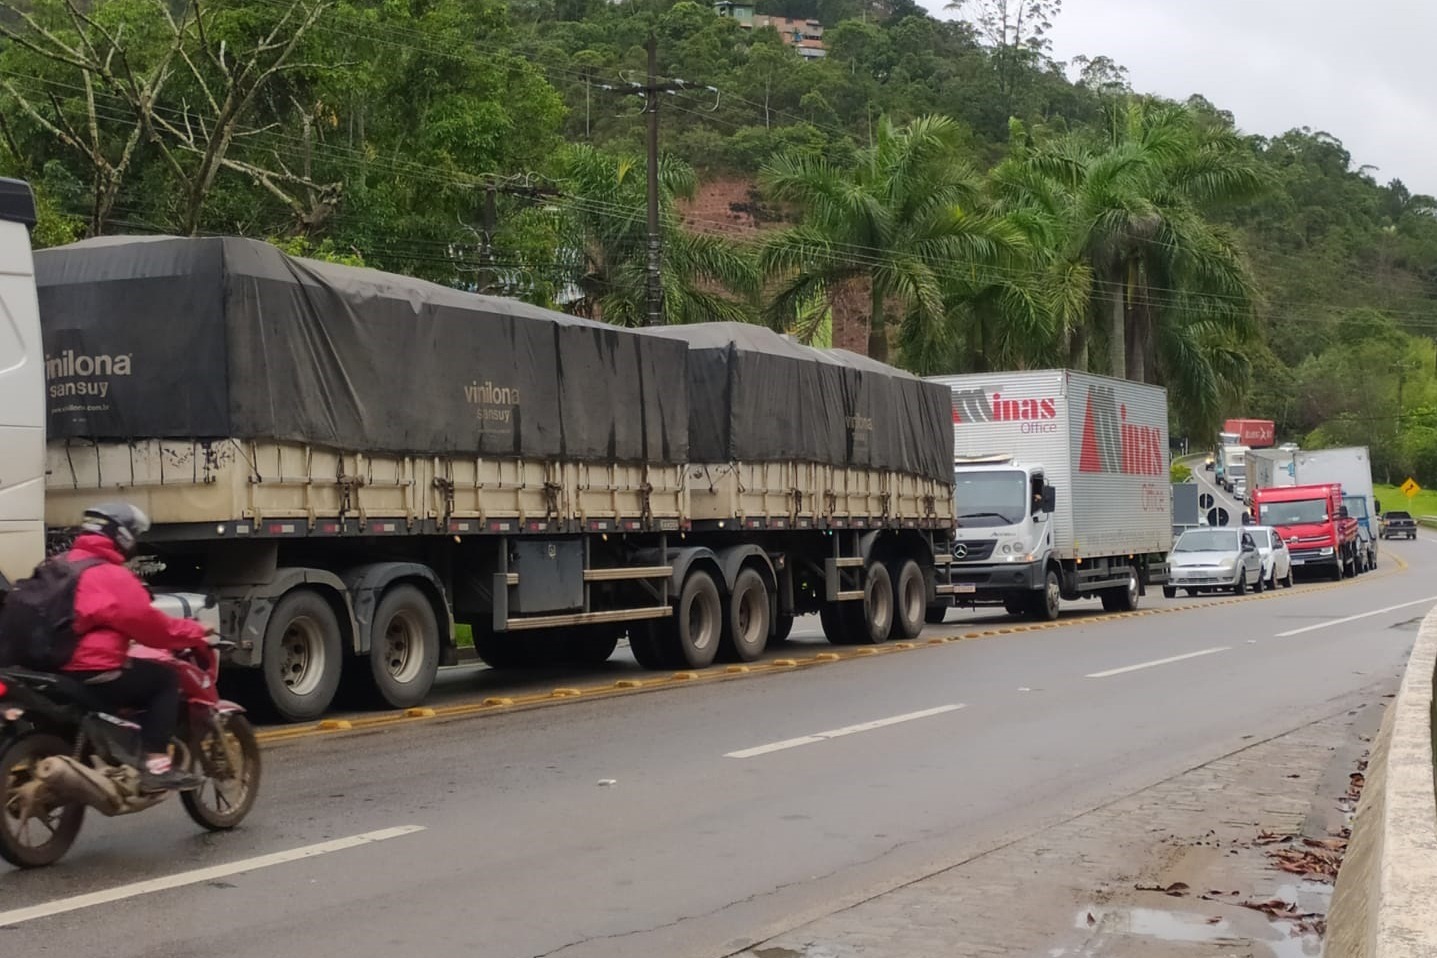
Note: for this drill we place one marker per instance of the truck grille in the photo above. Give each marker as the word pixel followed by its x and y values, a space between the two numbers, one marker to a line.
pixel 973 551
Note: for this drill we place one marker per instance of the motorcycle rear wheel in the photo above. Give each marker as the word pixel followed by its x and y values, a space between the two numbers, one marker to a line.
pixel 59 826
pixel 221 803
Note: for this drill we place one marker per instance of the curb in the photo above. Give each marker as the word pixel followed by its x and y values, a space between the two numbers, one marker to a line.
pixel 1383 903
pixel 652 682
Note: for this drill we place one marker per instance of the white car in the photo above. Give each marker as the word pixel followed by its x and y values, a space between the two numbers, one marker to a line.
pixel 1214 560
pixel 1276 560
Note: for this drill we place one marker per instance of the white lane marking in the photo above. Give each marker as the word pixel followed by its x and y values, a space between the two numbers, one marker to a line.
pixel 1354 618
pixel 1148 665
pixel 194 877
pixel 840 732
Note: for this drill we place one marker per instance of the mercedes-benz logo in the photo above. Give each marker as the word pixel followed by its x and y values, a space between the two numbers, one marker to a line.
pixel 960 551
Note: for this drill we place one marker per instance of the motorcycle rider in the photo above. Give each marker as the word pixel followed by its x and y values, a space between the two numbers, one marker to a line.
pixel 112 609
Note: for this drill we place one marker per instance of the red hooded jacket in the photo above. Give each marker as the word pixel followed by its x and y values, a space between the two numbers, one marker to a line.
pixel 112 608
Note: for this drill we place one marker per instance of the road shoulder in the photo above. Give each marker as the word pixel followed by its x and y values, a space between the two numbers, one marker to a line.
pixel 1189 868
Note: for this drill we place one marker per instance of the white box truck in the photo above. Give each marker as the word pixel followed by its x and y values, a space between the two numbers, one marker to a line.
pixel 344 464
pixel 1062 489
pixel 1270 468
pixel 1351 467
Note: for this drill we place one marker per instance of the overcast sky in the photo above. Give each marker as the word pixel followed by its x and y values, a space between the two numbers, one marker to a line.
pixel 1362 72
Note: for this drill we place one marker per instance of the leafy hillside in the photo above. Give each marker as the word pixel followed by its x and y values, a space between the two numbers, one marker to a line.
pixel 983 205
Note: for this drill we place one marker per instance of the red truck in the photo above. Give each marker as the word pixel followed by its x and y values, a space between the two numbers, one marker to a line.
pixel 1314 523
pixel 1253 433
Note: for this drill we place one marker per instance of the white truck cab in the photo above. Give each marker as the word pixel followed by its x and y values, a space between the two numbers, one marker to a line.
pixel 1005 505
pixel 22 391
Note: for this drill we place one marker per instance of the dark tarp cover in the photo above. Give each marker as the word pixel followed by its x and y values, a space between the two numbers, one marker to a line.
pixel 223 337
pixel 755 395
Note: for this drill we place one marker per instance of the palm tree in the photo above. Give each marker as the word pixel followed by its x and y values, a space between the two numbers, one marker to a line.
pixel 705 277
pixel 900 223
pixel 1126 216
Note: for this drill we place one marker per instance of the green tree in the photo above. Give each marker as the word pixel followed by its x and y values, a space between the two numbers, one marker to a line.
pixel 897 223
pixel 1133 207
pixel 604 231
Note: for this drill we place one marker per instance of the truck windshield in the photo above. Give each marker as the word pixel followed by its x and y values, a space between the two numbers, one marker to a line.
pixel 1291 513
pixel 1356 506
pixel 1207 540
pixel 990 498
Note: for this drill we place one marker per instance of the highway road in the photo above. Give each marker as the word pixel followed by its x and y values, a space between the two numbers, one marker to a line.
pixel 702 819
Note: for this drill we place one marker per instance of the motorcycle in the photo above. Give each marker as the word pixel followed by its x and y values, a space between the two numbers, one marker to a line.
pixel 61 754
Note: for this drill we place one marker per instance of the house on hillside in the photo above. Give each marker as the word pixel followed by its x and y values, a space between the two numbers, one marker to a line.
pixel 805 36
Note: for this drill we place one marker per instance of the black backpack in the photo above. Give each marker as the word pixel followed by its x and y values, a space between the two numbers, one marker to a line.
pixel 37 620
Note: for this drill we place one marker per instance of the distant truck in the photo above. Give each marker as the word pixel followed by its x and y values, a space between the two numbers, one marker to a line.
pixel 1234 466
pixel 1224 439
pixel 1270 468
pixel 1314 523
pixel 1255 433
pixel 1350 466
pixel 1062 487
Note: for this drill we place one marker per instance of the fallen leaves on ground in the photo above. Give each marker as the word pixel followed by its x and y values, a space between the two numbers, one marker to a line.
pixel 1177 889
pixel 1279 910
pixel 1320 864
pixel 1358 780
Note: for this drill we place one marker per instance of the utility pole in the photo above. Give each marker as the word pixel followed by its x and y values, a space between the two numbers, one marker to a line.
pixel 492 188
pixel 656 287
pixel 486 254
pixel 650 92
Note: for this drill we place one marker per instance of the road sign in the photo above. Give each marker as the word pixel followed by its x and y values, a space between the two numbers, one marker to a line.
pixel 1217 517
pixel 1206 501
pixel 1410 488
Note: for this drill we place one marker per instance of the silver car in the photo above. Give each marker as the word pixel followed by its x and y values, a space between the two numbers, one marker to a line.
pixel 1214 560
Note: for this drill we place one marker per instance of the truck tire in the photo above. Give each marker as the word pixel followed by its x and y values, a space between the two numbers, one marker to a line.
pixel 1241 587
pixel 746 618
pixel 645 650
pixel 506 650
pixel 1123 598
pixel 591 646
pixel 1046 604
pixel 910 599
pixel 690 637
pixel 871 621
pixel 404 648
pixel 835 623
pixel 303 656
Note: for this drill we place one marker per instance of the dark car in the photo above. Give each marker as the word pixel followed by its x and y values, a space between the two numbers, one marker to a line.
pixel 1397 524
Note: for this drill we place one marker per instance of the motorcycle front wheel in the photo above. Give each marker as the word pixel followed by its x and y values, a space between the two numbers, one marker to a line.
pixel 33 832
pixel 227 755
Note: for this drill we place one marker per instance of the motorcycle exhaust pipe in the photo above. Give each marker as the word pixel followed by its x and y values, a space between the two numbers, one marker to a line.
pixel 69 781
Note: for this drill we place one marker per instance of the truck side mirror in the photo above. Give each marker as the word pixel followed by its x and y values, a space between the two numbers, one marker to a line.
pixel 1050 499
pixel 1342 512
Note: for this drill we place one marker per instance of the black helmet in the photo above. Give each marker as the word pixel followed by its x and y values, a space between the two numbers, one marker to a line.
pixel 121 522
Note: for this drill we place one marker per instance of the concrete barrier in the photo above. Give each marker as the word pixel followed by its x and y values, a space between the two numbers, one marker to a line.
pixel 1385 903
